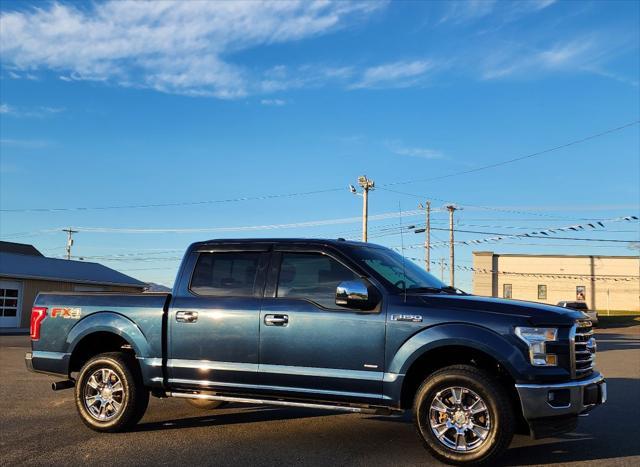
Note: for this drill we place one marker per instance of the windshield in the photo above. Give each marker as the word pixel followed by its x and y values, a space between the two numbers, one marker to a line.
pixel 391 268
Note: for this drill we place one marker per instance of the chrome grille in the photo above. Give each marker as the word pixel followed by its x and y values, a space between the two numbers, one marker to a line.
pixel 583 355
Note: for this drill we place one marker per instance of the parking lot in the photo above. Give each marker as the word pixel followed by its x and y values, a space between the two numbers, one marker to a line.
pixel 39 426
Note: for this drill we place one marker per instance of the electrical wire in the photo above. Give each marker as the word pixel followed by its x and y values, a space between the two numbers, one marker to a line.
pixel 328 190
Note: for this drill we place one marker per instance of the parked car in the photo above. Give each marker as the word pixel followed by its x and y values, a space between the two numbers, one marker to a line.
pixel 581 306
pixel 324 324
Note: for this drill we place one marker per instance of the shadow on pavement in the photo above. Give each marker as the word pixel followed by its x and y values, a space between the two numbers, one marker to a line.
pixel 605 322
pixel 243 414
pixel 617 342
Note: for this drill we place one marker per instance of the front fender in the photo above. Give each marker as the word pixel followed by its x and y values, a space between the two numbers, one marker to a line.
pixel 108 321
pixel 465 335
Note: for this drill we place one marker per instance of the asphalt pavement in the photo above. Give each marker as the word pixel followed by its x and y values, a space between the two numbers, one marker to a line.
pixel 41 427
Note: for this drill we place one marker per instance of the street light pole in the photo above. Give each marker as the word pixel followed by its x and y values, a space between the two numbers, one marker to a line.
pixel 366 185
pixel 427 240
pixel 451 208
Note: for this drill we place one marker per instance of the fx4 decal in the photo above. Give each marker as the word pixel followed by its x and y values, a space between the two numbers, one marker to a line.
pixel 66 313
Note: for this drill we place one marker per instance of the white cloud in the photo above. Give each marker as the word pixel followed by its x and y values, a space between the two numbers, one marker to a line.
pixel 402 150
pixel 395 74
pixel 273 102
pixel 35 112
pixel 171 46
pixel 578 55
pixel 464 11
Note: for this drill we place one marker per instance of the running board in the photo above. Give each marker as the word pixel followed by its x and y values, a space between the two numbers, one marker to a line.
pixel 306 405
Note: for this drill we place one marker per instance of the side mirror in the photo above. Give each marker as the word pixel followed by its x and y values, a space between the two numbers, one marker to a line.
pixel 353 294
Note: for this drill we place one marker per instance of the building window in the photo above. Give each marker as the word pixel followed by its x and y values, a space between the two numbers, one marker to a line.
pixel 581 292
pixel 542 292
pixel 507 291
pixel 8 302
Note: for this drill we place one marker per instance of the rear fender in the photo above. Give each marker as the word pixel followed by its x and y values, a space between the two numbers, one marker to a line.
pixel 115 323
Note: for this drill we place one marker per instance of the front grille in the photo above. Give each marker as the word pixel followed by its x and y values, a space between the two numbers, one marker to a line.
pixel 583 355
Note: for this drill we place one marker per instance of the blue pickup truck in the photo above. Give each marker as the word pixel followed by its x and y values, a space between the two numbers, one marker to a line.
pixel 326 324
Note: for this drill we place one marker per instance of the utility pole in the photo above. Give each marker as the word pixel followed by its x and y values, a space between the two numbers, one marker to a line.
pixel 451 208
pixel 442 269
pixel 366 185
pixel 427 240
pixel 70 233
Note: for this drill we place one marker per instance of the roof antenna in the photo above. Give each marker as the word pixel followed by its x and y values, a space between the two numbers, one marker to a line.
pixel 404 273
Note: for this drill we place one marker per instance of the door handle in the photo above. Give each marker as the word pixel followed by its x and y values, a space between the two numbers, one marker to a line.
pixel 276 320
pixel 187 316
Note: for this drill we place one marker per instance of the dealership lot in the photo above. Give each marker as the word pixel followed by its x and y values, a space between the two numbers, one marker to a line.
pixel 39 426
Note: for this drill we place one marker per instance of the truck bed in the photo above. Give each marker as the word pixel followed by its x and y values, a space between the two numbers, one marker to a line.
pixel 72 316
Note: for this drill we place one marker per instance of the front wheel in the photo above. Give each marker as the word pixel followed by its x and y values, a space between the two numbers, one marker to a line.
pixel 463 415
pixel 109 393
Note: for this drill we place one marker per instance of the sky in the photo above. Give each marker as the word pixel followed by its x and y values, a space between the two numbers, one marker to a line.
pixel 174 122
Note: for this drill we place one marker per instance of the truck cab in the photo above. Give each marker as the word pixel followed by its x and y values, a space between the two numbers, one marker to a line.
pixel 327 324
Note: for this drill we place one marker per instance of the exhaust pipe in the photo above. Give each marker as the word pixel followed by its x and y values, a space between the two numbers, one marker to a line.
pixel 58 386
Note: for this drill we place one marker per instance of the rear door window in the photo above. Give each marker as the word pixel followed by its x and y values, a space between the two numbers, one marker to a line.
pixel 226 274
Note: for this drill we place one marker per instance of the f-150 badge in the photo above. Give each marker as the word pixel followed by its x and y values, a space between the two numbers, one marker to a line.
pixel 410 318
pixel 66 313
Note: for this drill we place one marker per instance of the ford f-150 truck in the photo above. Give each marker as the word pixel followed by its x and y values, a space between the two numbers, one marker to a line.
pixel 327 324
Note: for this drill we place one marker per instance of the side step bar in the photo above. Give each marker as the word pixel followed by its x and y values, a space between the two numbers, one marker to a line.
pixel 306 405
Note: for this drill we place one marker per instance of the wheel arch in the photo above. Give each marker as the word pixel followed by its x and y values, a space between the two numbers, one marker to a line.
pixel 451 344
pixel 101 332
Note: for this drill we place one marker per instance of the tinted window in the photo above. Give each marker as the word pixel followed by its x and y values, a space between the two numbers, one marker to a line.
pixel 395 270
pixel 230 274
pixel 311 276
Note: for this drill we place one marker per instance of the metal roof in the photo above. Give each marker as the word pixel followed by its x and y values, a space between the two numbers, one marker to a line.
pixel 19 248
pixel 52 269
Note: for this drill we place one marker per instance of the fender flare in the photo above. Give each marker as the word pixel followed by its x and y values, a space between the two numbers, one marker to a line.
pixel 111 322
pixel 464 335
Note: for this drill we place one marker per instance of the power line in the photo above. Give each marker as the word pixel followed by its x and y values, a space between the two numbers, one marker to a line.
pixel 175 204
pixel 516 159
pixel 329 190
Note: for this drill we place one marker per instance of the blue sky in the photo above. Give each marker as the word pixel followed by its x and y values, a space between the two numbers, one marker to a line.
pixel 116 104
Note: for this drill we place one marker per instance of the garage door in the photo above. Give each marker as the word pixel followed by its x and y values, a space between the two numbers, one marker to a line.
pixel 10 304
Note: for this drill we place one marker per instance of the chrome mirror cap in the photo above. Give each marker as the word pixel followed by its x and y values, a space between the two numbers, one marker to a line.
pixel 352 294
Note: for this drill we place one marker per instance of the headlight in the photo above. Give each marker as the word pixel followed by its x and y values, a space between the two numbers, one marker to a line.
pixel 536 339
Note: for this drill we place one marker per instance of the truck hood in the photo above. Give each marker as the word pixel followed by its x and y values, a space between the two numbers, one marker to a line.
pixel 538 314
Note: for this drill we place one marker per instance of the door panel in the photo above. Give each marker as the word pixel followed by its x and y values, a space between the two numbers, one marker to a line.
pixel 331 354
pixel 213 325
pixel 220 346
pixel 316 348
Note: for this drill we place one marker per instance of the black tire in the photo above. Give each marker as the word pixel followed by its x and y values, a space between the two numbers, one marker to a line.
pixel 205 404
pixel 130 396
pixel 500 421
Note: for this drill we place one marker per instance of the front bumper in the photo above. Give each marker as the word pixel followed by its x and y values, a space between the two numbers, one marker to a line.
pixel 551 408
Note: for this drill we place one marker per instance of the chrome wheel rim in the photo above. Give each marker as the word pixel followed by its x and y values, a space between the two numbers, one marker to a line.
pixel 459 418
pixel 103 394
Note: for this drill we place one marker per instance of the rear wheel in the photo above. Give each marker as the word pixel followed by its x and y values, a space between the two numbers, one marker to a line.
pixel 463 415
pixel 109 393
pixel 205 404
